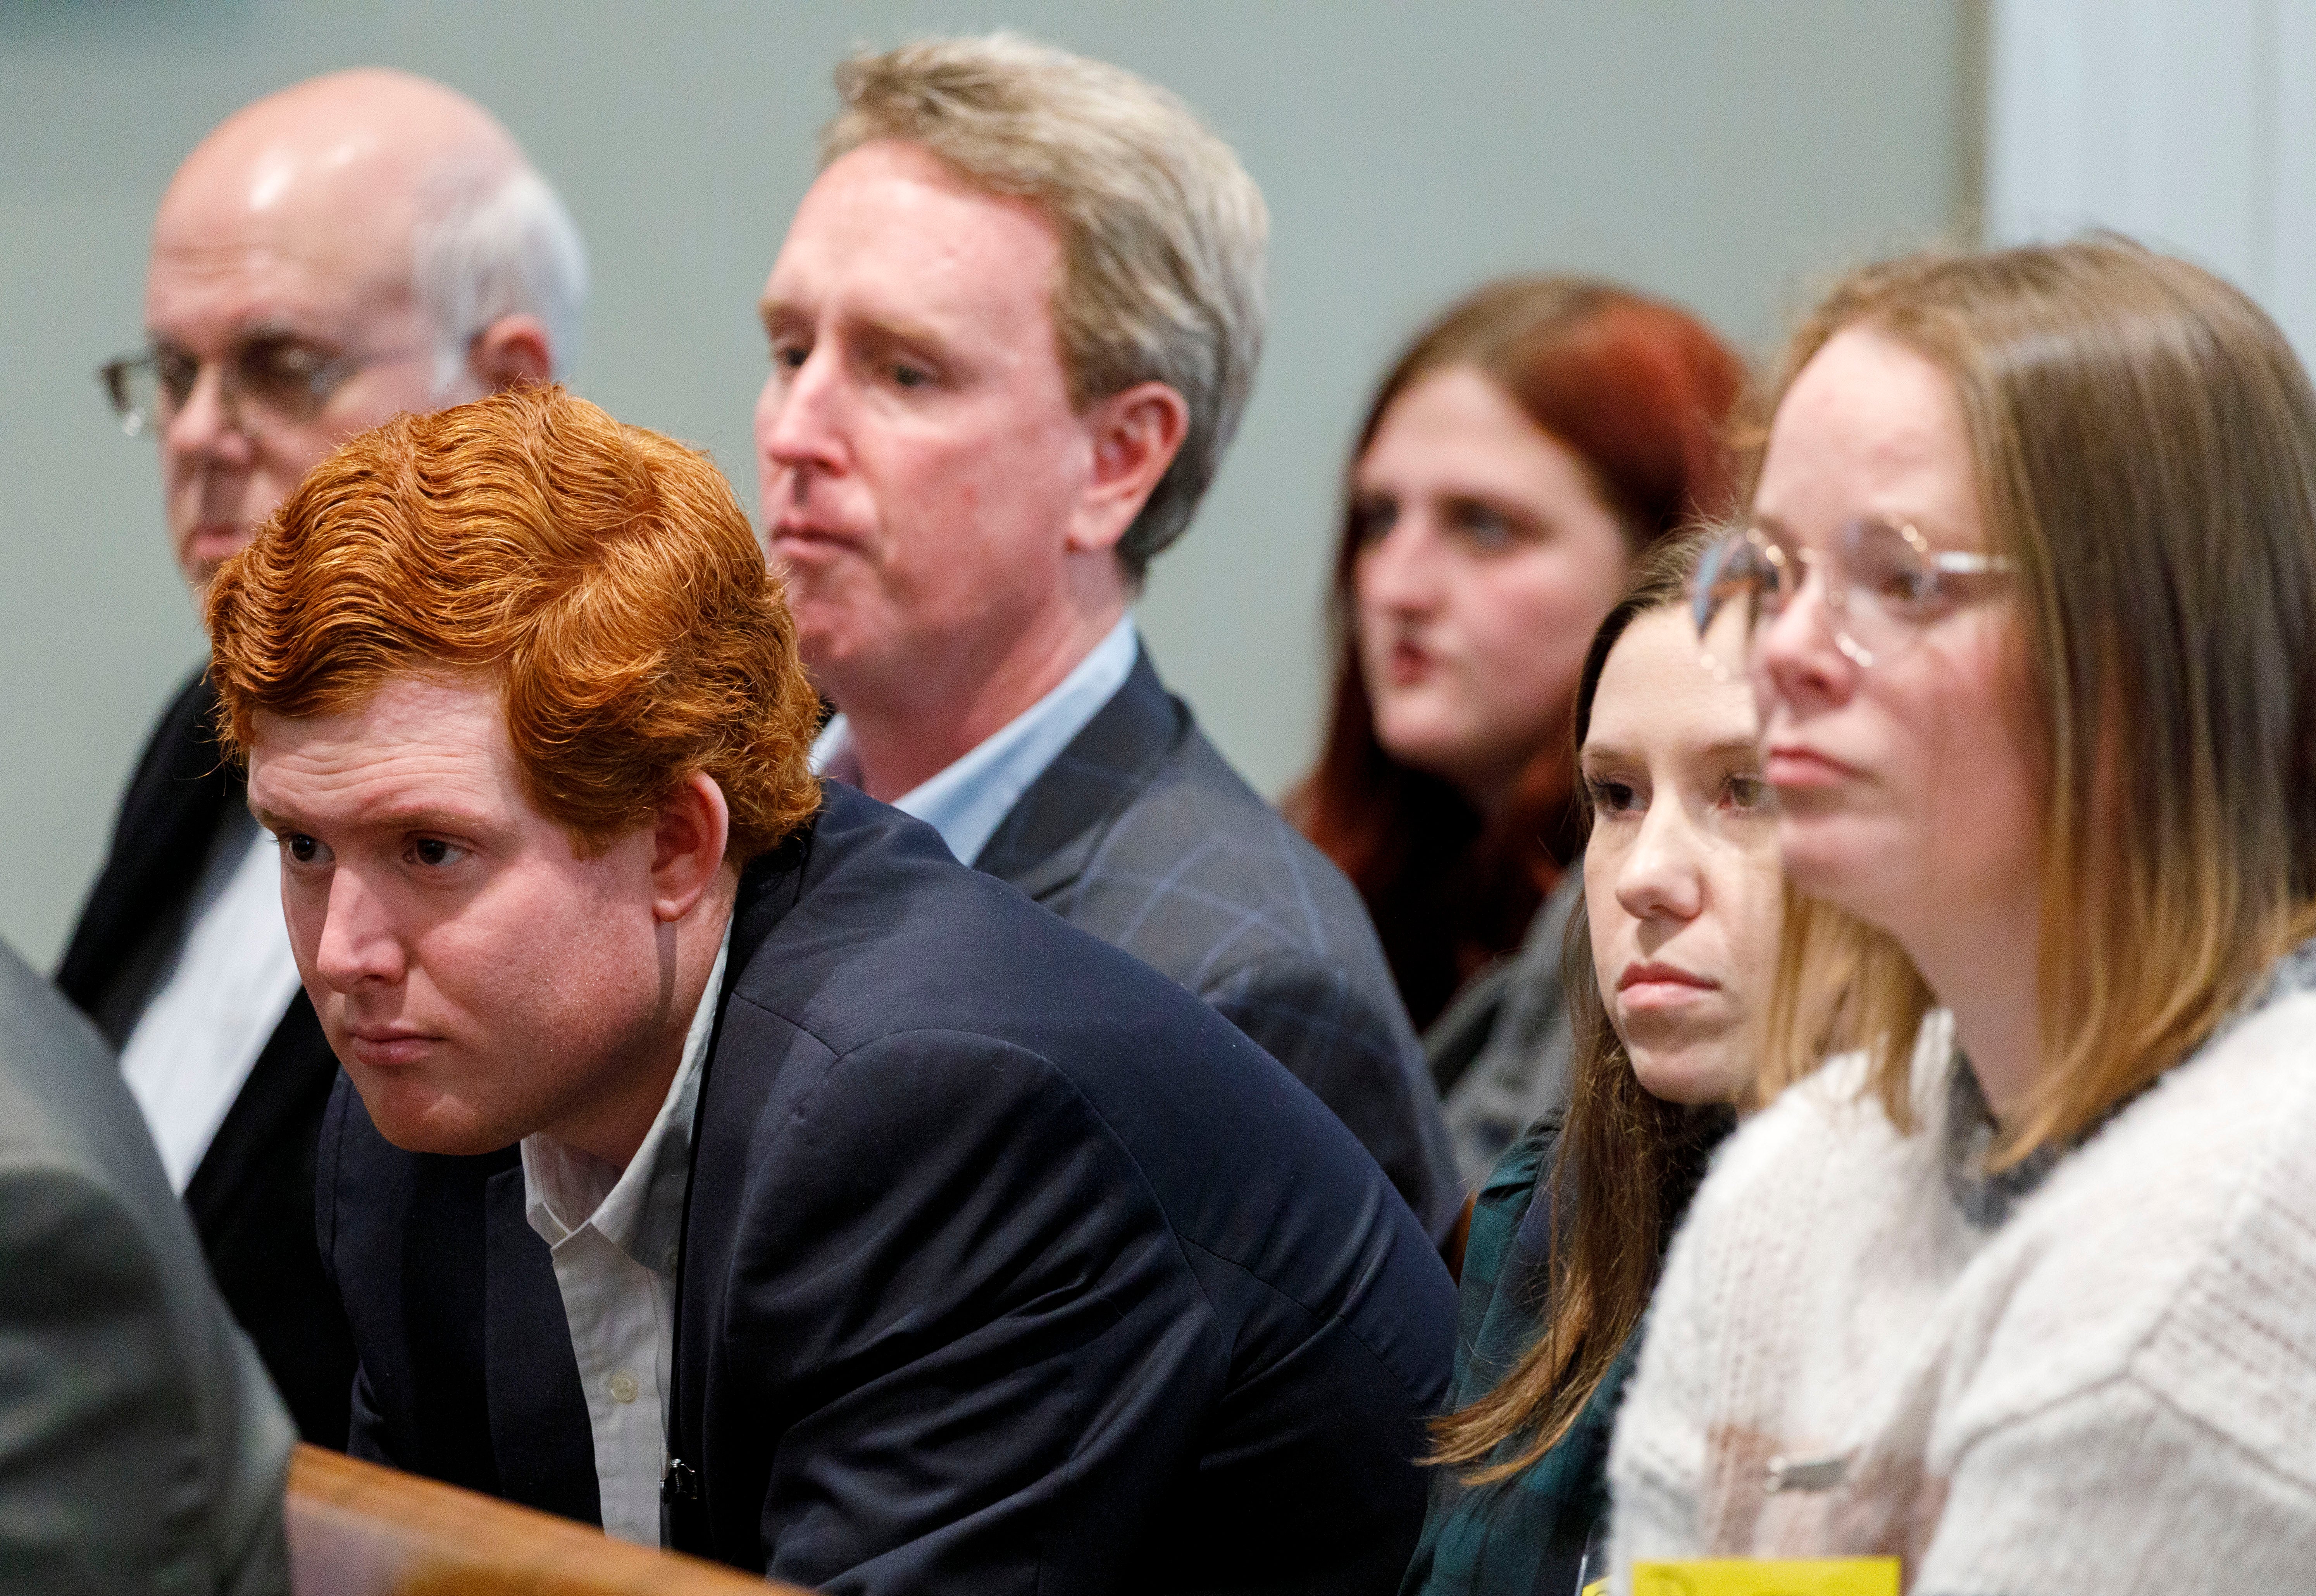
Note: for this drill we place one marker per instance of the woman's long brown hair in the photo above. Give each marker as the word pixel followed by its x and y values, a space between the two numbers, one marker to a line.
pixel 2144 443
pixel 1623 1167
pixel 1640 391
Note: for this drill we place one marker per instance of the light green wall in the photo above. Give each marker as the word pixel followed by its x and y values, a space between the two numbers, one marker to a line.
pixel 1723 153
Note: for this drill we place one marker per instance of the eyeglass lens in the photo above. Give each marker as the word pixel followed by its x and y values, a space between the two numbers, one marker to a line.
pixel 278 379
pixel 1878 587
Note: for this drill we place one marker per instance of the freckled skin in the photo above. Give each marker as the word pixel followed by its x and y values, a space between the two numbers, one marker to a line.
pixel 1489 619
pixel 478 976
pixel 1682 865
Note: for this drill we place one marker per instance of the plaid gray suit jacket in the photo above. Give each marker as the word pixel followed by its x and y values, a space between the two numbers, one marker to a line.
pixel 1141 833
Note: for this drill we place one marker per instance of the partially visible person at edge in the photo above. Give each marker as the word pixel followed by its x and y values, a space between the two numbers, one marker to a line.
pixel 2022 1291
pixel 720 1160
pixel 142 1448
pixel 1012 328
pixel 351 246
pixel 1524 452
pixel 1669 960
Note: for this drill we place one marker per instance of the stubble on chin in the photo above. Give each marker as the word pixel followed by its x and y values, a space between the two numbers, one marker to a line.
pixel 423 1118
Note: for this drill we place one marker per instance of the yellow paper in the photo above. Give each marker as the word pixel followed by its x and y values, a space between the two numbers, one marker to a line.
pixel 1744 1576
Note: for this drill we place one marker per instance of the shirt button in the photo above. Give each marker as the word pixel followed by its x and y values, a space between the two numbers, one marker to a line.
pixel 623 1386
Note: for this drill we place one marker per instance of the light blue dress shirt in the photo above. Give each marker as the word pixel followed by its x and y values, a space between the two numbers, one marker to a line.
pixel 967 801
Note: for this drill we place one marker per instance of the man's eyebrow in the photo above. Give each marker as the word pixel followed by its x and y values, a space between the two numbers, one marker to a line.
pixel 270 324
pixel 417 816
pixel 269 328
pixel 881 331
pixel 778 315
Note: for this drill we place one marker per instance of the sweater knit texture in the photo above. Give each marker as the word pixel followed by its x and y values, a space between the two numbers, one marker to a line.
pixel 2106 1384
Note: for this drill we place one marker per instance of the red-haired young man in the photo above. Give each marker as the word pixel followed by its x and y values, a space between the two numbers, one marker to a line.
pixel 714 1140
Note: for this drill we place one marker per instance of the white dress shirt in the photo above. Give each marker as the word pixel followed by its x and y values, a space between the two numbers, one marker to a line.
pixel 218 1001
pixel 967 801
pixel 613 1235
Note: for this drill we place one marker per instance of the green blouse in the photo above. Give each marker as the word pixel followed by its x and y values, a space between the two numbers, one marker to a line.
pixel 1524 1536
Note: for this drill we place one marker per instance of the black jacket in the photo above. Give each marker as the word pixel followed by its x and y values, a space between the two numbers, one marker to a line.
pixel 1009 1266
pixel 251 1198
pixel 1142 834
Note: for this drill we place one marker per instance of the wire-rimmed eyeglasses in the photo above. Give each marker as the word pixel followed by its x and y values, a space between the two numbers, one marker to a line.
pixel 1880 583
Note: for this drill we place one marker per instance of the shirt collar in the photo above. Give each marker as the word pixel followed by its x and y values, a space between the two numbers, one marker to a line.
pixel 640 1210
pixel 967 801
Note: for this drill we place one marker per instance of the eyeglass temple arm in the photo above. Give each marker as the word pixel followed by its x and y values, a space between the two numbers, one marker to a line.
pixel 1962 563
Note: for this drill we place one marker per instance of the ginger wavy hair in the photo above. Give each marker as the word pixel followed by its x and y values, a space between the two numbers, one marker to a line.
pixel 603 574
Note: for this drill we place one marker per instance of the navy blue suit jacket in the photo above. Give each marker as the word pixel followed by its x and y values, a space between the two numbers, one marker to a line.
pixel 1009 1266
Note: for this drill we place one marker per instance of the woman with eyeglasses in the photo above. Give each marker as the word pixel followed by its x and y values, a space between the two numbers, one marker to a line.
pixel 2022 1290
pixel 1528 448
pixel 1668 965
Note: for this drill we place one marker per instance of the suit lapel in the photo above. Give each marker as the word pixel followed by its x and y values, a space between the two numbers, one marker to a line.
pixel 541 1435
pixel 1046 839
pixel 167 819
pixel 183 791
pixel 286 1088
pixel 768 888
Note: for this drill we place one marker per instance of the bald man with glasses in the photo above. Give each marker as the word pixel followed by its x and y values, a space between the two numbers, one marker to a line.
pixel 354 246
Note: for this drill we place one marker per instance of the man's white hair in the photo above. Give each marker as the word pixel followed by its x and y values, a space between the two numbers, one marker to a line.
pixel 1162 232
pixel 493 243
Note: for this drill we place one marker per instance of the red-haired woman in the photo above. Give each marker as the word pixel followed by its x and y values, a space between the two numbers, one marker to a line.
pixel 1523 453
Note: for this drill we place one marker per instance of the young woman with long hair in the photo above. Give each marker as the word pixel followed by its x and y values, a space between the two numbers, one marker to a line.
pixel 1526 449
pixel 2022 1290
pixel 1668 963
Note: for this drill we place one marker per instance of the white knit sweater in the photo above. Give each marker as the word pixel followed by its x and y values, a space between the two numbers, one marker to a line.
pixel 2113 1389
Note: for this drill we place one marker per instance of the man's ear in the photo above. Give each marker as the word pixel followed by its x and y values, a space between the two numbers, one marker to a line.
pixel 512 349
pixel 688 843
pixel 1135 434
